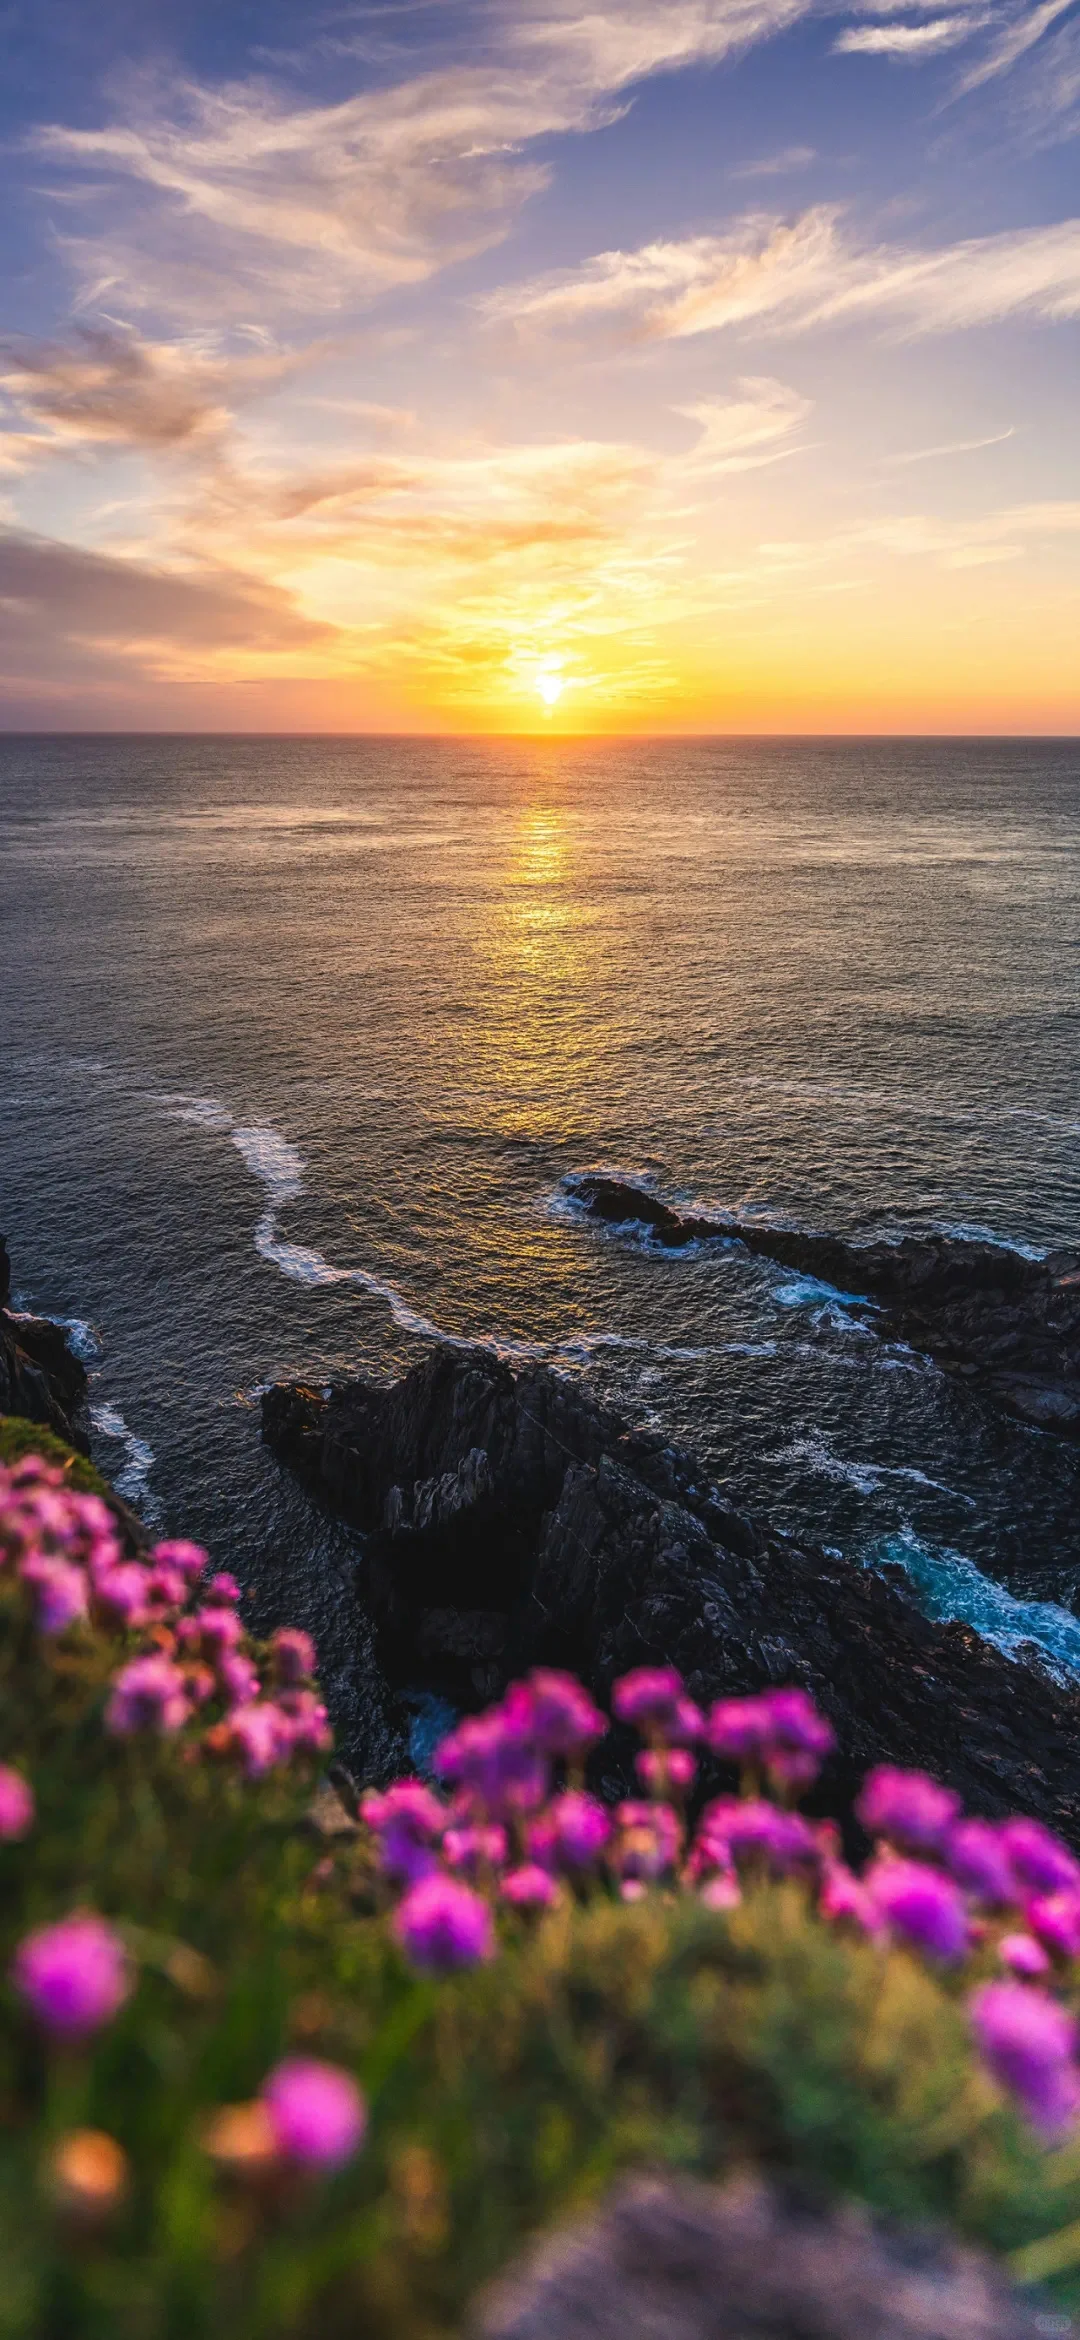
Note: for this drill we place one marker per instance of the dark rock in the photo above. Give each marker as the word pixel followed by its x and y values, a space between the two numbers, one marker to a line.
pixel 40 1379
pixel 667 2259
pixel 1008 1326
pixel 509 1520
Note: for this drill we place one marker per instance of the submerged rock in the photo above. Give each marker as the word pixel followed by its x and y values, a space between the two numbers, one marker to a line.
pixel 40 1379
pixel 1006 1325
pixel 667 2259
pixel 509 1520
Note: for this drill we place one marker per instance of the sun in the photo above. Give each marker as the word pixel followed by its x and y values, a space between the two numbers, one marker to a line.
pixel 550 687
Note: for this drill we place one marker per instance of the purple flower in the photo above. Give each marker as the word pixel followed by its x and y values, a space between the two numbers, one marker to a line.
pixel 1028 2043
pixel 492 1759
pixel 843 1898
pixel 663 1768
pixel 239 1679
pixel 475 1849
pixel 61 1590
pixel 738 1729
pixel 580 1827
pixel 1039 1858
pixel 651 1698
pixel 722 1890
pixel 190 1559
pixel 975 1852
pixel 1055 1918
pixel 16 1806
pixel 408 1822
pixel 562 1717
pixel 259 1734
pixel 294 1654
pixel 73 1975
pixel 167 1589
pixel 734 1830
pixel 799 1737
pixel 1024 1956
pixel 442 1925
pixel 908 1807
pixel 318 2114
pixel 224 1587
pixel 926 1909
pixel 149 1694
pixel 304 1721
pixel 123 1594
pixel 211 1630
pixel 529 1887
pixel 646 1843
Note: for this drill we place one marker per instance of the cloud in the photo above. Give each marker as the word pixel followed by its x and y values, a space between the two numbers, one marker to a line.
pixel 1021 34
pixel 740 434
pixel 906 40
pixel 773 166
pixel 109 387
pixel 952 447
pixel 217 201
pixel 800 273
pixel 71 612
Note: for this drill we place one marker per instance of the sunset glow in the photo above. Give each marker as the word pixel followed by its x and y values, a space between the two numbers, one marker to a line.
pixel 692 365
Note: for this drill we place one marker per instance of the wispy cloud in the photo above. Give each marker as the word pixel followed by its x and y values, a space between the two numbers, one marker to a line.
pixel 110 387
pixel 1022 30
pixel 951 447
pixel 248 197
pixel 775 166
pixel 912 41
pixel 805 272
pixel 740 434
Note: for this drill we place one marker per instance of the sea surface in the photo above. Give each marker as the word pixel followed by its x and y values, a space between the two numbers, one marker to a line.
pixel 300 1037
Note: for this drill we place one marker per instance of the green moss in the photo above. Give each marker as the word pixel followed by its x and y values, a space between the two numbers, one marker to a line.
pixel 19 1438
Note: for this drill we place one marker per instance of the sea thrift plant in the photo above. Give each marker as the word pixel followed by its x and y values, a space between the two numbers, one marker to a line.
pixel 74 1975
pixel 16 1806
pixel 442 1924
pixel 316 2111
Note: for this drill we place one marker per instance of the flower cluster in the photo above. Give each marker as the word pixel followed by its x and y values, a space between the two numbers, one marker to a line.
pixel 517 1828
pixel 188 1658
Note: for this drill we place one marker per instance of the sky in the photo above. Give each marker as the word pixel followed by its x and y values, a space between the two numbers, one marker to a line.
pixel 675 366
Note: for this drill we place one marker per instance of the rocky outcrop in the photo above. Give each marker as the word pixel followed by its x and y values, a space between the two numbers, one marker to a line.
pixel 668 2259
pixel 1007 1325
pixel 40 1380
pixel 509 1520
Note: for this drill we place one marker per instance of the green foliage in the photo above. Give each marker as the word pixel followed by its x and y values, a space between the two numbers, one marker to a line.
pixel 19 1438
pixel 605 2034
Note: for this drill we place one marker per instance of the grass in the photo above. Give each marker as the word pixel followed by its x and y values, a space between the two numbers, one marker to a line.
pixel 604 2035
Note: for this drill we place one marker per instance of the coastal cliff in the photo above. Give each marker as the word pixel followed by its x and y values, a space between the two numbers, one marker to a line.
pixel 40 1379
pixel 508 1520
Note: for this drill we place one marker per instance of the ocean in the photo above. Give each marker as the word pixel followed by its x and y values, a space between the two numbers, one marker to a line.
pixel 299 1039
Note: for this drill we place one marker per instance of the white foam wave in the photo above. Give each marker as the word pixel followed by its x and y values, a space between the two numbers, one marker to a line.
pixel 81 1338
pixel 133 1480
pixel 273 1160
pixel 816 1455
pixel 950 1587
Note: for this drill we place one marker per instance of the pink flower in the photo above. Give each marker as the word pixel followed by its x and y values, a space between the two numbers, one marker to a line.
pixel 408 1821
pixel 738 1729
pixel 167 1589
pixel 580 1827
pixel 735 1830
pixel 1023 1956
pixel 494 1762
pixel 224 1587
pixel 259 1735
pixel 1028 2043
pixel 305 1721
pixel 211 1630
pixel 975 1852
pixel 663 1768
pixel 442 1925
pixel 530 1887
pixel 646 1842
pixel 844 1899
pixel 149 1694
pixel 1055 1918
pixel 190 1559
pixel 239 1679
pixel 651 1698
pixel 926 1909
pixel 474 1849
pixel 74 1975
pixel 1039 1858
pixel 317 2111
pixel 799 1738
pixel 16 1806
pixel 294 1654
pixel 908 1807
pixel 556 1711
pixel 721 1891
pixel 61 1591
pixel 123 1594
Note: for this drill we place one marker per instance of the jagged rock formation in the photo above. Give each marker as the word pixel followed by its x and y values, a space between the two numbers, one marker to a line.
pixel 509 1520
pixel 40 1379
pixel 1007 1325
pixel 666 2259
